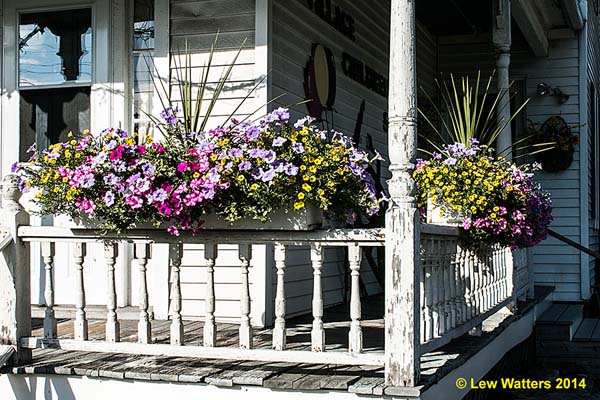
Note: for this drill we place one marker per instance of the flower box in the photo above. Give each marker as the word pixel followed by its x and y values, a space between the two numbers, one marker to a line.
pixel 435 215
pixel 284 219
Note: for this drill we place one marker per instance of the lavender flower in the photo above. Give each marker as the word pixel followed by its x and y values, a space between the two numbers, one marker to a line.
pixel 279 141
pixel 169 116
pixel 244 166
pixel 109 198
pixel 298 147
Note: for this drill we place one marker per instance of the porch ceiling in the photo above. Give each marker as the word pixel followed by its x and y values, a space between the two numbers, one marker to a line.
pixel 455 17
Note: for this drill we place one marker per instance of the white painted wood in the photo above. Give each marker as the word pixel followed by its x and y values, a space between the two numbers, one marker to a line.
pixel 279 335
pixel 371 237
pixel 402 228
pixel 502 40
pixel 142 254
pixel 112 321
pixel 175 254
pixel 49 317
pixel 81 323
pixel 15 298
pixel 226 353
pixel 210 327
pixel 355 337
pixel 246 339
pixel 317 333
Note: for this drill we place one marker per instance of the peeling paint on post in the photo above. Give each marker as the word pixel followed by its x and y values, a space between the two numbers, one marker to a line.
pixel 402 324
pixel 15 303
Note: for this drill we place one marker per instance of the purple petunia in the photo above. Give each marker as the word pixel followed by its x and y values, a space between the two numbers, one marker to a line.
pixel 244 166
pixel 298 147
pixel 279 141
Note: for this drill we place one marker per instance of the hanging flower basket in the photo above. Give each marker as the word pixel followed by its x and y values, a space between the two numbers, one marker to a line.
pixel 555 130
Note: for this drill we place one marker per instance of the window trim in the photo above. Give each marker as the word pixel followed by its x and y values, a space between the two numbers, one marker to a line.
pixel 595 142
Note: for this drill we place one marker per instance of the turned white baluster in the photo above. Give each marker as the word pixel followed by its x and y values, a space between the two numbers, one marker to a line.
pixel 318 332
pixel 49 317
pixel 470 283
pixel 447 283
pixel 435 288
pixel 423 300
pixel 428 270
pixel 246 340
pixel 112 323
pixel 142 253
pixel 175 254
pixel 80 325
pixel 279 335
pixel 462 272
pixel 211 250
pixel 453 282
pixel 355 338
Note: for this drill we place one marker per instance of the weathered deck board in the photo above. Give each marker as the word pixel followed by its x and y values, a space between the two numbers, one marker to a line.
pixel 361 380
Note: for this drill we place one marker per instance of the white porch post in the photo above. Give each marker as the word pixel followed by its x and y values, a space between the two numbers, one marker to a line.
pixel 402 325
pixel 502 42
pixel 15 297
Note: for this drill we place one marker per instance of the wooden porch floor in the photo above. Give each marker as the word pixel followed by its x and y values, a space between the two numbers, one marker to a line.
pixel 362 380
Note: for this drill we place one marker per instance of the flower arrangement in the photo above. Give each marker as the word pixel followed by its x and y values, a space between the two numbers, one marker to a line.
pixel 243 170
pixel 497 201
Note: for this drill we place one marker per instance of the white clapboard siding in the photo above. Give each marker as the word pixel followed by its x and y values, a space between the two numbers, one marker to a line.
pixel 593 67
pixel 552 260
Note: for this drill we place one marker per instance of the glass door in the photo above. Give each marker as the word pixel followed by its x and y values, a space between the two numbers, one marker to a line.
pixel 55 75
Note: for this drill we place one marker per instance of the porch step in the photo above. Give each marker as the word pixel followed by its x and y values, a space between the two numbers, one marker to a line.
pixel 589 331
pixel 560 322
pixel 67 311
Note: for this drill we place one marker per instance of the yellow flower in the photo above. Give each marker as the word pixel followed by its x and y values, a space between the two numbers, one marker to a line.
pixel 298 205
pixel 313 178
pixel 52 161
pixel 493 215
pixel 196 175
pixel 312 169
pixel 254 186
pixel 70 134
pixel 301 196
pixel 214 157
pixel 55 190
pixel 320 192
pixel 305 177
pixel 73 142
pixel 306 187
pixel 86 131
pixel 65 179
pixel 340 171
pixel 77 155
pixel 330 184
pixel 303 168
pixel 148 139
pixel 67 154
pixel 241 178
pixel 223 142
pixel 319 160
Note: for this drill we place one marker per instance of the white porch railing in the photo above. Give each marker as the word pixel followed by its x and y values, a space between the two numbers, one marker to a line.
pixel 457 289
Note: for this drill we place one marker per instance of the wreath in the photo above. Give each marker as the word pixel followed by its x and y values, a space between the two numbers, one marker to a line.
pixel 555 131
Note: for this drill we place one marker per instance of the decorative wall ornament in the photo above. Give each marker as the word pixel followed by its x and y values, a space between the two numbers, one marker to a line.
pixel 320 81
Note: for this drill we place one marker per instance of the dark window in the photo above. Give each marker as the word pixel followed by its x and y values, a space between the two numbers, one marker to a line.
pixel 48 115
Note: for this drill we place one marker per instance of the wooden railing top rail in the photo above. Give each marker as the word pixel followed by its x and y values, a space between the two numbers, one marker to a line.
pixel 332 237
pixel 443 230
